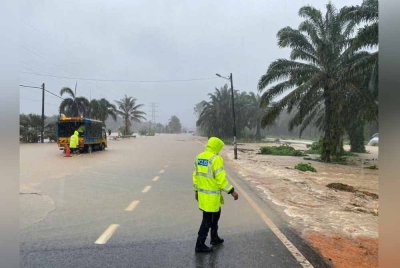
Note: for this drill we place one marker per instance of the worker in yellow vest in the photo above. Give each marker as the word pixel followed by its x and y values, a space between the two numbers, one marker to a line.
pixel 74 141
pixel 209 180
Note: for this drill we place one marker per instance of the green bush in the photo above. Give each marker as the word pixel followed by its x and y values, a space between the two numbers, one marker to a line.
pixel 143 132
pixel 315 148
pixel 151 132
pixel 305 167
pixel 147 132
pixel 281 150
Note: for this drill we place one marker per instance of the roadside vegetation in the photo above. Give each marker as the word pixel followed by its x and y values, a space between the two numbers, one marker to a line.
pixel 281 150
pixel 126 110
pixel 305 167
pixel 330 81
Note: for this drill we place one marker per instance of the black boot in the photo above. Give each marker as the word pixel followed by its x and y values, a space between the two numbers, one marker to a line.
pixel 215 239
pixel 201 246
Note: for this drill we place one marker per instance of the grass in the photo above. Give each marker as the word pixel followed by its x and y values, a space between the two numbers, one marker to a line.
pixel 305 167
pixel 281 150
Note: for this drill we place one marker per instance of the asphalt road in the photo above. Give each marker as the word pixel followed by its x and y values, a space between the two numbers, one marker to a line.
pixel 133 206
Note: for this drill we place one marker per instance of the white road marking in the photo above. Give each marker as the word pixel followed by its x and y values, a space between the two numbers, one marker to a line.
pixel 292 249
pixel 156 178
pixel 132 205
pixel 107 234
pixel 146 189
pixel 162 171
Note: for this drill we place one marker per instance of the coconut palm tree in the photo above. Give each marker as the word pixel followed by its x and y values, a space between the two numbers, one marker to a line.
pixel 316 75
pixel 73 106
pixel 102 109
pixel 129 110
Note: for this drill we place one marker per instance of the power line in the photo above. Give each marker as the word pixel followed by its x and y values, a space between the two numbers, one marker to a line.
pixel 122 80
pixel 44 90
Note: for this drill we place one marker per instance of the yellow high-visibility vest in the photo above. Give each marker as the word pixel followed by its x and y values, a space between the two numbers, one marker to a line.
pixel 209 177
pixel 74 140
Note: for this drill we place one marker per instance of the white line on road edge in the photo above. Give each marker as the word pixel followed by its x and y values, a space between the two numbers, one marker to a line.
pixel 156 178
pixel 162 171
pixel 146 189
pixel 292 249
pixel 132 205
pixel 107 234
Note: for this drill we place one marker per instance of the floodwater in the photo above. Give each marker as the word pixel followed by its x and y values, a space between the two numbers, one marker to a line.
pixel 304 197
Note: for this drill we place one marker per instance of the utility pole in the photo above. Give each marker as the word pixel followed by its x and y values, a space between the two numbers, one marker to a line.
pixel 42 134
pixel 233 113
pixel 234 118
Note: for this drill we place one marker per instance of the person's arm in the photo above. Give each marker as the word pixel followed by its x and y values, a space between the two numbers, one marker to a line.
pixel 220 177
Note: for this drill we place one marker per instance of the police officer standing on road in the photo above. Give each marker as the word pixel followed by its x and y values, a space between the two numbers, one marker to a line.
pixel 209 179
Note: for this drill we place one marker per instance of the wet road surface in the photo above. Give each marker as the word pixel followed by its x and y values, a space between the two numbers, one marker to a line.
pixel 133 206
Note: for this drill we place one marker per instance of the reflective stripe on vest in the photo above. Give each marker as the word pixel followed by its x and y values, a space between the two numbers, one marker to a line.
pixel 209 191
pixel 226 188
pixel 219 170
pixel 205 175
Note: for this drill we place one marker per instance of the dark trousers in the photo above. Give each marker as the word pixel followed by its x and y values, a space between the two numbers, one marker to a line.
pixel 210 221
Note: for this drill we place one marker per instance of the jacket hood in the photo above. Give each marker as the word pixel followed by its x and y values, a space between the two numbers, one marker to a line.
pixel 214 145
pixel 76 133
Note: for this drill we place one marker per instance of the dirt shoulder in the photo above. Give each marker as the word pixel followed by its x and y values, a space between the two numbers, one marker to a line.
pixel 341 225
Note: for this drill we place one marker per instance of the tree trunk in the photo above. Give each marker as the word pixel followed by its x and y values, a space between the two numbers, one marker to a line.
pixel 126 126
pixel 332 143
pixel 356 135
pixel 258 131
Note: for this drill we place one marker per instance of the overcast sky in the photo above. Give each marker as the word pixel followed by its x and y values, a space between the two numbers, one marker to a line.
pixel 150 41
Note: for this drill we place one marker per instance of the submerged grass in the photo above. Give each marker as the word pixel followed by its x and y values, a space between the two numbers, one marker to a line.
pixel 305 167
pixel 281 150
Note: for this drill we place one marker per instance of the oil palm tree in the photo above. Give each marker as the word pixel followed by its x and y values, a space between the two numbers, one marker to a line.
pixel 216 116
pixel 102 109
pixel 255 113
pixel 30 127
pixel 129 110
pixel 364 108
pixel 316 75
pixel 73 106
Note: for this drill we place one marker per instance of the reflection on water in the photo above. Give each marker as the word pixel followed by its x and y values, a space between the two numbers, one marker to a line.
pixel 208 259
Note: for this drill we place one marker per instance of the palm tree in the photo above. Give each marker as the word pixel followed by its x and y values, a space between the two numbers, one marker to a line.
pixel 129 110
pixel 73 106
pixel 255 113
pixel 364 108
pixel 30 127
pixel 315 75
pixel 216 116
pixel 101 109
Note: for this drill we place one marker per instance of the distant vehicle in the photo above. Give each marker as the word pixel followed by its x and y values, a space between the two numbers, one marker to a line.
pixel 374 141
pixel 92 133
